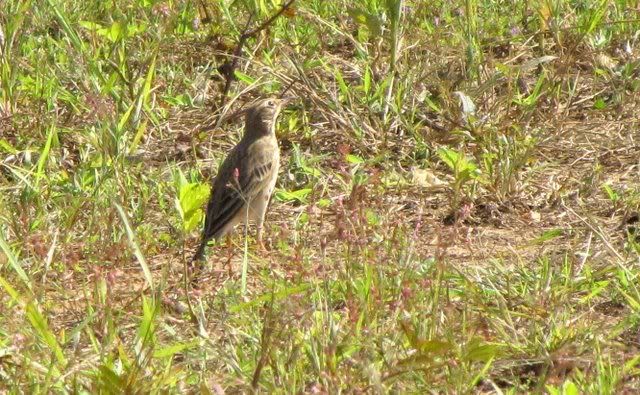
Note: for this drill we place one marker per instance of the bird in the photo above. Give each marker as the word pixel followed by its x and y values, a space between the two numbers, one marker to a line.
pixel 247 177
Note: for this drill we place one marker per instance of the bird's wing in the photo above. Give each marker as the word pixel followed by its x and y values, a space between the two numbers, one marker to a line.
pixel 255 166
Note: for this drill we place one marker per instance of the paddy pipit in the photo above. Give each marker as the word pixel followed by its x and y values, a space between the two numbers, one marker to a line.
pixel 247 177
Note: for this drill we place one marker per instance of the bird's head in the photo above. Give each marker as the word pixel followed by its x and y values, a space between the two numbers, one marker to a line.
pixel 261 117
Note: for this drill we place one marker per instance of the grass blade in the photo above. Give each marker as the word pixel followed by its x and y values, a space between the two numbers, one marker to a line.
pixel 136 249
pixel 13 262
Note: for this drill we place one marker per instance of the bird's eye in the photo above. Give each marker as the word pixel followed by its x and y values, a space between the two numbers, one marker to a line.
pixel 270 103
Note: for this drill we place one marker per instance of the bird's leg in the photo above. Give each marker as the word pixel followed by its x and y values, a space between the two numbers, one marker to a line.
pixel 259 239
pixel 261 208
pixel 194 268
pixel 259 227
pixel 229 254
pixel 198 259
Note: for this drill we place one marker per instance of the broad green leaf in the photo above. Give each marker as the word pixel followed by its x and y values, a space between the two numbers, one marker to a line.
pixel 192 220
pixel 344 89
pixel 169 351
pixel 193 196
pixel 372 217
pixel 449 157
pixel 300 195
pixel 611 193
pixel 90 25
pixel 372 22
pixel 354 159
pixel 478 350
pixel 247 79
pixel 5 146
pixel 115 32
pixel 548 235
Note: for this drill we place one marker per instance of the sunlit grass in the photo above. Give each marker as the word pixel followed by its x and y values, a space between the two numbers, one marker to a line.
pixel 456 211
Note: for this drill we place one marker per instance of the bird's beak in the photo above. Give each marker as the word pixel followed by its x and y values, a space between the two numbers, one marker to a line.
pixel 285 101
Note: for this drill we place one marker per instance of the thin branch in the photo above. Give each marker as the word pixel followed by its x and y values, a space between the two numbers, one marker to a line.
pixel 228 68
pixel 289 86
pixel 269 21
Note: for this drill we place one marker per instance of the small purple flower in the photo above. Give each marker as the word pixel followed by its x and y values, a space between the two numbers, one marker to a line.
pixel 161 10
pixel 19 341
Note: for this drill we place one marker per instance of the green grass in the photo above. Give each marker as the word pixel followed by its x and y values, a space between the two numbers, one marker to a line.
pixel 456 210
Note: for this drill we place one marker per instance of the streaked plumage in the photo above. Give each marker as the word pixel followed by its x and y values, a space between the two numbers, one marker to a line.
pixel 246 178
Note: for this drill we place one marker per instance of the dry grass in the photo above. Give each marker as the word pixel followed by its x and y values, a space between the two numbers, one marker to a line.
pixel 393 266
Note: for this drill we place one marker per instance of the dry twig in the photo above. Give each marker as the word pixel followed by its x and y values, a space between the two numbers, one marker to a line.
pixel 228 68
